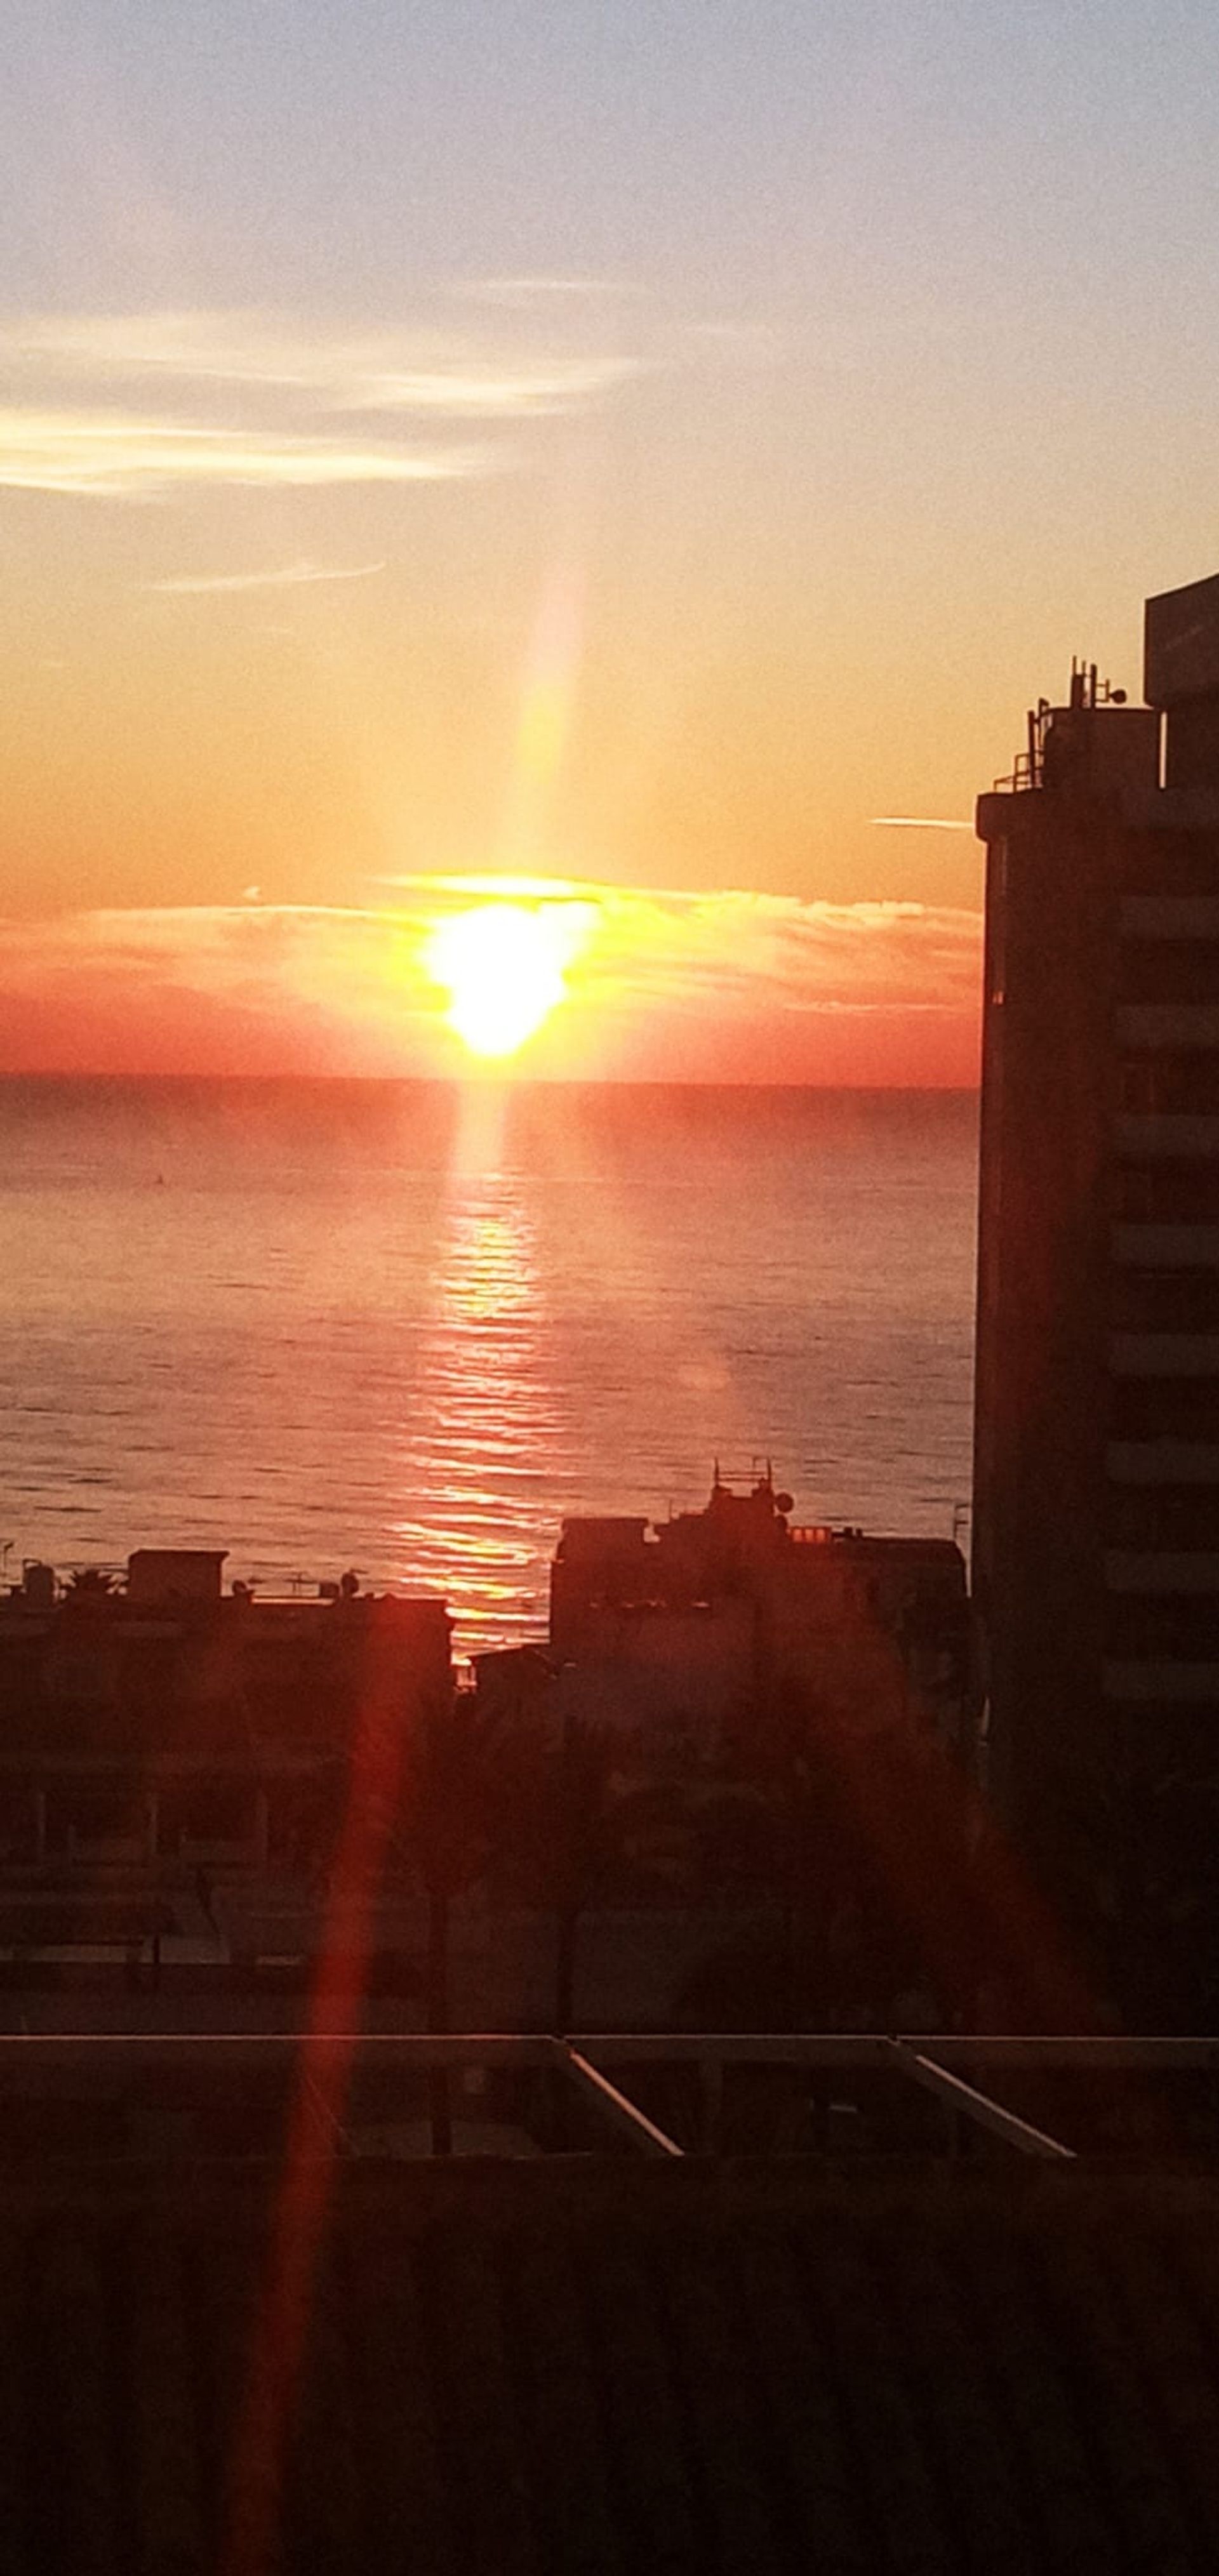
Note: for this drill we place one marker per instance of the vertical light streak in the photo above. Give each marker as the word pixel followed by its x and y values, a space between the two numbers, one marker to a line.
pixel 280 2330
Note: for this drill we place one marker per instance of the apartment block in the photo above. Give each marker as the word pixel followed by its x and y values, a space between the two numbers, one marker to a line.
pixel 1096 1526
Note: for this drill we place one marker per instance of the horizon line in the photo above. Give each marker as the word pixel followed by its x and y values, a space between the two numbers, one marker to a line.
pixel 484 1081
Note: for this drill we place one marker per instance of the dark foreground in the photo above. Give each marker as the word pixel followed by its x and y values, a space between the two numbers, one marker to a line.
pixel 591 2366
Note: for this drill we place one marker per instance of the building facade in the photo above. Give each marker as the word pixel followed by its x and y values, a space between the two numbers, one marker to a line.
pixel 689 1628
pixel 1096 1502
pixel 161 1722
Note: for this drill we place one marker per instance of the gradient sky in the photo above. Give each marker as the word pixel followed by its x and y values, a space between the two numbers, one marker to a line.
pixel 634 444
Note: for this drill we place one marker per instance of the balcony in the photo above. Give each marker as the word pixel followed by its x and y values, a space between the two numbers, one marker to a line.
pixel 1159 916
pixel 1165 1247
pixel 1167 1574
pixel 1162 1462
pixel 1160 1682
pixel 1165 1139
pixel 1164 1355
pixel 1168 1024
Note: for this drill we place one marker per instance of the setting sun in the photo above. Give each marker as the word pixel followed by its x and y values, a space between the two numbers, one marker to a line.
pixel 504 966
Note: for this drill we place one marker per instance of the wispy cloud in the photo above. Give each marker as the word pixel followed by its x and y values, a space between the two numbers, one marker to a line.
pixel 121 456
pixel 288 577
pixel 120 405
pixel 419 370
pixel 919 823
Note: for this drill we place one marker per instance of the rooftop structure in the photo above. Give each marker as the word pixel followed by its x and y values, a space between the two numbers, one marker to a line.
pixel 695 1617
pixel 179 1574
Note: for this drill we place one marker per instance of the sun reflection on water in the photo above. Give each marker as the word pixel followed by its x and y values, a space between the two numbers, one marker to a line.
pixel 489 1428
pixel 487 1278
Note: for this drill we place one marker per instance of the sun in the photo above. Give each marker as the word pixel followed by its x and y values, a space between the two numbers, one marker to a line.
pixel 503 966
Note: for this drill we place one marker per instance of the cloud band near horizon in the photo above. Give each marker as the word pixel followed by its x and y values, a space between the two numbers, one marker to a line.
pixel 729 986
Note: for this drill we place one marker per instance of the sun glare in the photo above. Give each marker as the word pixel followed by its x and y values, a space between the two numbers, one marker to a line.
pixel 504 966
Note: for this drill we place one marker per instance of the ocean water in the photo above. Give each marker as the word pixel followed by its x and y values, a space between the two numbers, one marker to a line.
pixel 405 1328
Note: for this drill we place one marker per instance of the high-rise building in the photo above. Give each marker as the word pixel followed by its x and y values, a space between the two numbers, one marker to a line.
pixel 1096 1525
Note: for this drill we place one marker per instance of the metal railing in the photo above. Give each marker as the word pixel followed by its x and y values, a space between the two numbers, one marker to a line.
pixel 946 2066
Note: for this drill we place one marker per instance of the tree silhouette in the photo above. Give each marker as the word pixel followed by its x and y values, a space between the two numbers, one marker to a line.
pixel 449 1807
pixel 560 1819
pixel 810 1864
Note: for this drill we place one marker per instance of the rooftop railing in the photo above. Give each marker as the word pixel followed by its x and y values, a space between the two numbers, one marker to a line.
pixel 595 2069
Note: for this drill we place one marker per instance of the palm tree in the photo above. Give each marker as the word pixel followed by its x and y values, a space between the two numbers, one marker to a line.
pixel 560 1820
pixel 559 1835
pixel 786 1767
pixel 448 1803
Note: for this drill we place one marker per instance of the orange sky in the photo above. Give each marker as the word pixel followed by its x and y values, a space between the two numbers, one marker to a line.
pixel 633 448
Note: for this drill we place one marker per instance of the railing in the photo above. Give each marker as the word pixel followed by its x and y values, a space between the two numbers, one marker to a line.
pixel 52 2065
pixel 1025 775
pixel 1028 769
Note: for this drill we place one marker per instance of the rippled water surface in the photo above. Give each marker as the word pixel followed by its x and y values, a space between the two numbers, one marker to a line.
pixel 405 1329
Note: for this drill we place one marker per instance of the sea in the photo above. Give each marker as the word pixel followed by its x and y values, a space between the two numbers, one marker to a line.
pixel 403 1328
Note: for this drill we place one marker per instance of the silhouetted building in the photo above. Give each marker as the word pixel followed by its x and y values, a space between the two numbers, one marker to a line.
pixel 687 1628
pixel 162 1720
pixel 1096 1525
